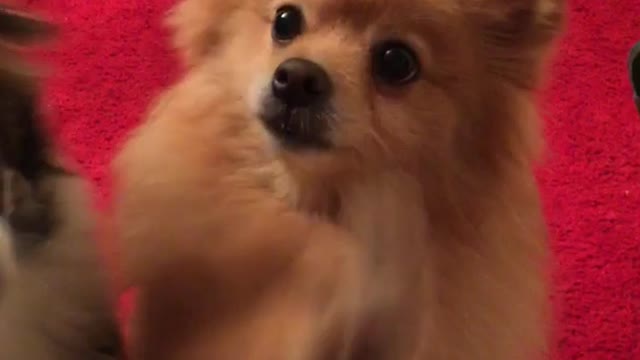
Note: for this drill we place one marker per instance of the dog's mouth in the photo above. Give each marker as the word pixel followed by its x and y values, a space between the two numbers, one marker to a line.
pixel 298 128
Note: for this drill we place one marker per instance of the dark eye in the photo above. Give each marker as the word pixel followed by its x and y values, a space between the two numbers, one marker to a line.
pixel 394 63
pixel 288 23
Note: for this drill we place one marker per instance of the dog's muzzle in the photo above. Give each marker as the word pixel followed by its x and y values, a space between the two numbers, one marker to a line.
pixel 296 109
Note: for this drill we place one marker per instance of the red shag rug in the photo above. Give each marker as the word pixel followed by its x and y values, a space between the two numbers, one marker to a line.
pixel 114 59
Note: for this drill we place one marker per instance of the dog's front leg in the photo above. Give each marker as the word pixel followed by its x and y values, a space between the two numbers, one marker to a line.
pixel 285 287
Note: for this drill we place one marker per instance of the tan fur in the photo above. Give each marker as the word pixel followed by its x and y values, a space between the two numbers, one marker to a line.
pixel 7 262
pixel 55 305
pixel 417 236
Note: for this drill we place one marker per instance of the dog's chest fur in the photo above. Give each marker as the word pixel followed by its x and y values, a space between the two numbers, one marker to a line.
pixel 387 214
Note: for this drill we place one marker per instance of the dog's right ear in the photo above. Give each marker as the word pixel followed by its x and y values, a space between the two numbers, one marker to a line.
pixel 516 35
pixel 198 26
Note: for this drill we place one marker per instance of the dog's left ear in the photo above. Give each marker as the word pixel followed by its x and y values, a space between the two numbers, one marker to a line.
pixel 517 34
pixel 199 26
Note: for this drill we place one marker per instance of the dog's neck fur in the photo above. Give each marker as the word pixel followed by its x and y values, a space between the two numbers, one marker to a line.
pixel 420 239
pixel 387 210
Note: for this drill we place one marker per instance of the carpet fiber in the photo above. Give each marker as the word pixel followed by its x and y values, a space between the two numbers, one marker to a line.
pixel 114 59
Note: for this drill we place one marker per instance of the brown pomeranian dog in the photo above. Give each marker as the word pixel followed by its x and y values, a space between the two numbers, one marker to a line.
pixel 54 298
pixel 342 179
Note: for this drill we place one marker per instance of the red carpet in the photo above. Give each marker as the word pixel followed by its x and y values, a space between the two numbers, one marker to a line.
pixel 114 59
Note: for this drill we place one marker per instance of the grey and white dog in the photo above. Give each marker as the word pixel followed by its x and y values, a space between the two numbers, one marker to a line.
pixel 54 298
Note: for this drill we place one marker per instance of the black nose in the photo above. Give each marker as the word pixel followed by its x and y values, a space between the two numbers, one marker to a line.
pixel 300 83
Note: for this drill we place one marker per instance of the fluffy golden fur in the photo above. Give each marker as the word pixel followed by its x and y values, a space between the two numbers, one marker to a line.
pixel 54 297
pixel 416 235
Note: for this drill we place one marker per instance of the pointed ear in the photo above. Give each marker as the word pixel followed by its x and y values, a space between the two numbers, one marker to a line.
pixel 198 26
pixel 517 34
pixel 20 29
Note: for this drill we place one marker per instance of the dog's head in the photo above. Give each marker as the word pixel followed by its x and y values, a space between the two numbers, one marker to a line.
pixel 351 85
